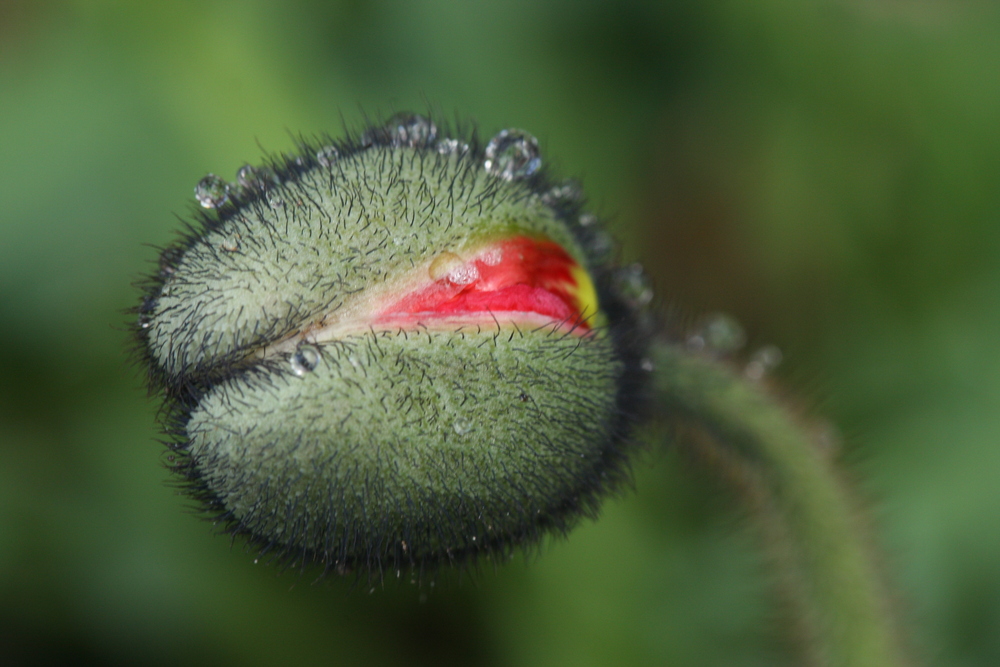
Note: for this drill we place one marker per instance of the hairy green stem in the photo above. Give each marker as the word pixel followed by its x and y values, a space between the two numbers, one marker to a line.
pixel 842 598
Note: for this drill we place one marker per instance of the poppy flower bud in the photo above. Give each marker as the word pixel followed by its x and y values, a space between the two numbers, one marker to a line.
pixel 396 350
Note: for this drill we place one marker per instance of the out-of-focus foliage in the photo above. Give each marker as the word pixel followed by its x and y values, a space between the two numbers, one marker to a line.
pixel 825 171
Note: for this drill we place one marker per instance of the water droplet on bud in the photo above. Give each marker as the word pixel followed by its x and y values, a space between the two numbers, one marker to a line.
pixel 452 146
pixel 256 178
pixel 244 176
pixel 168 259
pixel 231 243
pixel 492 257
pixel 411 130
pixel 444 264
pixel 466 274
pixel 403 129
pixel 512 154
pixel 327 155
pixel 305 359
pixel 633 285
pixel 462 426
pixel 568 191
pixel 211 191
pixel 599 242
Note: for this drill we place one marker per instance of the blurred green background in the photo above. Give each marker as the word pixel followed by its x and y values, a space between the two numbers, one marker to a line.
pixel 825 171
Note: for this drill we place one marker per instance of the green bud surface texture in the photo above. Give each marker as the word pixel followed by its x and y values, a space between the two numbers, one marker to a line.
pixel 396 350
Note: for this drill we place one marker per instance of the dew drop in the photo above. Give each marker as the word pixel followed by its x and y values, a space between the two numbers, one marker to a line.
pixel 305 359
pixel 144 321
pixel 327 155
pixel 444 264
pixel 466 274
pixel 274 200
pixel 244 176
pixel 169 260
pixel 410 129
pixel 512 154
pixel 211 191
pixel 600 244
pixel 452 147
pixel 231 243
pixel 588 220
pixel 492 257
pixel 718 334
pixel 256 178
pixel 462 426
pixel 568 191
pixel 646 364
pixel 402 129
pixel 633 285
pixel 762 362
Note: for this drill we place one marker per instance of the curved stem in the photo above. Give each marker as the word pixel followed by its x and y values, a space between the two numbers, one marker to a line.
pixel 843 601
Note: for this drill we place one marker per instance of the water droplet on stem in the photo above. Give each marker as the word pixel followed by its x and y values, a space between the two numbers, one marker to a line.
pixel 633 285
pixel 719 334
pixel 762 362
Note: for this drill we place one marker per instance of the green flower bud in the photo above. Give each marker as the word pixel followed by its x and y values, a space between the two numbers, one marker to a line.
pixel 396 350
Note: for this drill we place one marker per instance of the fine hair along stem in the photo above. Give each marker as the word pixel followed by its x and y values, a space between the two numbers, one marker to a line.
pixel 842 603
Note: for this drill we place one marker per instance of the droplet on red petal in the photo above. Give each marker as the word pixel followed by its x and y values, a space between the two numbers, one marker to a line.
pixel 444 264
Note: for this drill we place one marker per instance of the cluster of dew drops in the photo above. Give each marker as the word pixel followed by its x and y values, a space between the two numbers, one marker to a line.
pixel 720 335
pixel 512 154
pixel 213 191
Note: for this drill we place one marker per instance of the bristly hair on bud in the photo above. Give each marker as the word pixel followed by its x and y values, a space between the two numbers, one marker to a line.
pixel 396 350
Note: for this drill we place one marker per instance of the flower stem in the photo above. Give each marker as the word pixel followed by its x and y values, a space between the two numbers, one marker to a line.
pixel 842 600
